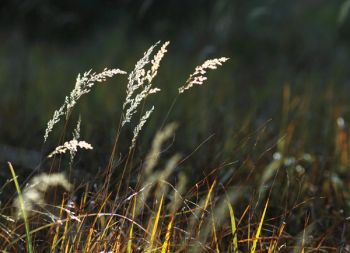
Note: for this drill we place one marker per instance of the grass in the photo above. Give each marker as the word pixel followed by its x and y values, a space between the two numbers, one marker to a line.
pixel 287 199
pixel 23 210
pixel 233 229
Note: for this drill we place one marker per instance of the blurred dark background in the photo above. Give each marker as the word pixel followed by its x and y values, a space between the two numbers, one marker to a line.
pixel 302 44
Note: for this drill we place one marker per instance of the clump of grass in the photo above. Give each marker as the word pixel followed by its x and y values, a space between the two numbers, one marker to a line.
pixel 157 211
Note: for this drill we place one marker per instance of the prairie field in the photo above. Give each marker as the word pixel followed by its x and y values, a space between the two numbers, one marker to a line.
pixel 169 126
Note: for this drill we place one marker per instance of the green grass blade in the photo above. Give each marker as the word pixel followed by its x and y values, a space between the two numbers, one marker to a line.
pixel 233 228
pixel 23 210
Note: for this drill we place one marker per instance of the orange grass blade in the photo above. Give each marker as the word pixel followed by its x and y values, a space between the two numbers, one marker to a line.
pixel 243 215
pixel 257 235
pixel 117 245
pixel 233 228
pixel 155 226
pixel 88 242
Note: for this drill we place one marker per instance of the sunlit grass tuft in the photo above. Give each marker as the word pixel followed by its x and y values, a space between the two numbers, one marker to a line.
pixel 155 199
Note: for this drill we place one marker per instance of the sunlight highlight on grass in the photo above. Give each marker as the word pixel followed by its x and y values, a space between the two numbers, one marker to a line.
pixel 275 241
pixel 257 235
pixel 233 228
pixel 155 226
pixel 166 245
pixel 147 199
pixel 129 248
pixel 57 230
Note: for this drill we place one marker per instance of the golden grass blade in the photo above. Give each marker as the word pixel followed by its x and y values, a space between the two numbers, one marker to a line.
pixel 206 203
pixel 165 247
pixel 23 210
pixel 257 235
pixel 248 237
pixel 233 228
pixel 129 249
pixel 209 195
pixel 54 241
pixel 106 229
pixel 214 233
pixel 91 230
pixel 155 226
pixel 243 215
pixel 116 245
pixel 65 232
pixel 77 236
pixel 274 243
pixel 88 242
pixel 67 247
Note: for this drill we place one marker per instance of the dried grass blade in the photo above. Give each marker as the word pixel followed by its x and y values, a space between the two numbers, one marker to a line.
pixel 129 249
pixel 88 242
pixel 54 241
pixel 274 243
pixel 165 247
pixel 155 226
pixel 65 232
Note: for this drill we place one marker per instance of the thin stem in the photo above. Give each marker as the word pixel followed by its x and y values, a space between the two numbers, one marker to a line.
pixel 23 209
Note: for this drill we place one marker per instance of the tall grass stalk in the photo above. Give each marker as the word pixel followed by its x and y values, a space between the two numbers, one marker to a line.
pixel 258 231
pixel 233 228
pixel 23 210
pixel 166 244
pixel 155 227
pixel 129 247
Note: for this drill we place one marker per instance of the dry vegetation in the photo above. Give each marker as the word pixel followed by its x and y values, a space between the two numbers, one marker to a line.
pixel 153 206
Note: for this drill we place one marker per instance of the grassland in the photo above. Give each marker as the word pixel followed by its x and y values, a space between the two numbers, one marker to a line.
pixel 269 176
